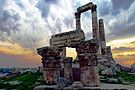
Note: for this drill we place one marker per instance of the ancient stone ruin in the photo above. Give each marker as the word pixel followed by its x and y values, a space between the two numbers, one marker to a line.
pixel 61 70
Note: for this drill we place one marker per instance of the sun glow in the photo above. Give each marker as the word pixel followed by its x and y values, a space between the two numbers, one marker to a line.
pixel 13 49
pixel 71 52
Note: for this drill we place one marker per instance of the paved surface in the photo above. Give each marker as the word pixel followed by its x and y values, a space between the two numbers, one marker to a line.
pixel 114 86
pixel 103 86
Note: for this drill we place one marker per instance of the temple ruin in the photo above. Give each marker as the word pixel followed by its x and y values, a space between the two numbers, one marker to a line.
pixel 83 69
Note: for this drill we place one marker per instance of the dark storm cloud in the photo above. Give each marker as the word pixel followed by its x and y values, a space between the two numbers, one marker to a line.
pixel 123 32
pixel 44 5
pixel 22 23
pixel 69 21
pixel 27 23
pixel 122 25
pixel 60 17
pixel 10 18
pixel 51 1
pixel 120 4
pixel 30 23
pixel 105 8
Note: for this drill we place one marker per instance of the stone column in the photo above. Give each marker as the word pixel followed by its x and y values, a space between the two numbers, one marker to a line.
pixel 102 35
pixel 95 24
pixel 51 64
pixel 78 23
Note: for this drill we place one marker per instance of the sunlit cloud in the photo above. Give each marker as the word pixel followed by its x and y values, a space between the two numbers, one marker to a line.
pixel 128 62
pixel 125 55
pixel 125 60
pixel 28 24
pixel 13 49
pixel 122 43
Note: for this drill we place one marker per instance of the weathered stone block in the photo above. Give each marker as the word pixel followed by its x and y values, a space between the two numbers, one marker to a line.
pixel 89 76
pixel 51 75
pixel 90 46
pixel 67 38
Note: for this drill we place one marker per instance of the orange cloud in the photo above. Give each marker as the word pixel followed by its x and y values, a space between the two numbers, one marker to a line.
pixel 18 54
pixel 13 49
pixel 128 62
pixel 125 60
pixel 123 50
pixel 32 57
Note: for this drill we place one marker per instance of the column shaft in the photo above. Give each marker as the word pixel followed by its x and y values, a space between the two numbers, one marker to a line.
pixel 102 36
pixel 78 23
pixel 95 25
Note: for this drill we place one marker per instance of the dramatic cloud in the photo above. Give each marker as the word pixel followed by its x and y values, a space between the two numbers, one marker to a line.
pixel 123 49
pixel 122 25
pixel 121 4
pixel 22 23
pixel 13 49
pixel 19 60
pixel 125 60
pixel 31 22
pixel 28 24
pixel 125 54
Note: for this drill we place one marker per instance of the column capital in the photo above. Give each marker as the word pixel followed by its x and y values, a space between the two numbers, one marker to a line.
pixel 77 15
pixel 94 7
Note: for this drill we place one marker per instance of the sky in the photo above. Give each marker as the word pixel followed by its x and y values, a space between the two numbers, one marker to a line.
pixel 26 25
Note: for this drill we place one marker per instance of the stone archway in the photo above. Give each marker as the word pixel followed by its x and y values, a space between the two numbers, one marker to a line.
pixel 83 69
pixel 92 7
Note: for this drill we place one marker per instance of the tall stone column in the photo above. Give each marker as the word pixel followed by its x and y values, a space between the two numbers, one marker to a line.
pixel 78 23
pixel 102 35
pixel 95 24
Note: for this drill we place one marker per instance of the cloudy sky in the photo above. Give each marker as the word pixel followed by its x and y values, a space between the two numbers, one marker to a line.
pixel 28 24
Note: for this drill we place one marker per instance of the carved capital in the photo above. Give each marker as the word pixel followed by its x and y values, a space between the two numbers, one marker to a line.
pixel 94 7
pixel 77 15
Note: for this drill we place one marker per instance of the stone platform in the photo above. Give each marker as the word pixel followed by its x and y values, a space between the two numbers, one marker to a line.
pixel 103 86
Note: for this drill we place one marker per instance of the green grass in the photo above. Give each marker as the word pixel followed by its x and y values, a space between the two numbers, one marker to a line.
pixel 122 77
pixel 126 77
pixel 27 81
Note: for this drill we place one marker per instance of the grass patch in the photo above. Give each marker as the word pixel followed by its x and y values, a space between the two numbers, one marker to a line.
pixel 126 76
pixel 122 78
pixel 27 81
